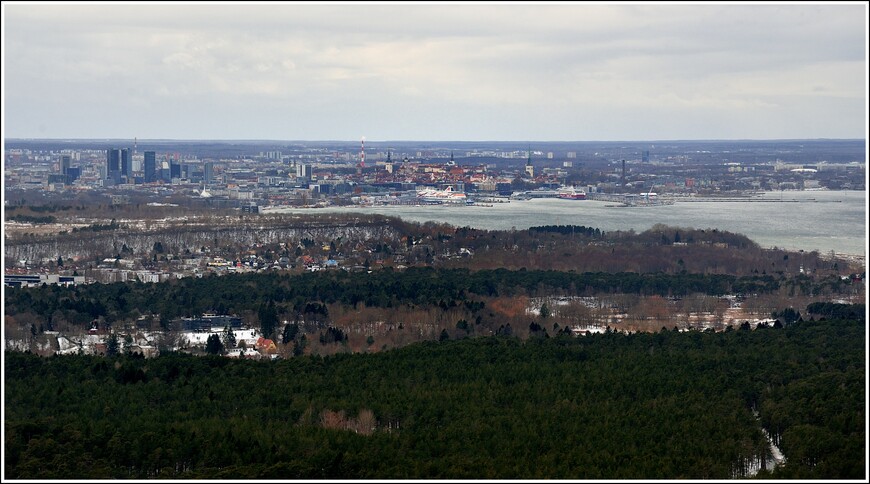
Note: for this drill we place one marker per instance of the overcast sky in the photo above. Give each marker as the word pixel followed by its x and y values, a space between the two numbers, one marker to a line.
pixel 512 72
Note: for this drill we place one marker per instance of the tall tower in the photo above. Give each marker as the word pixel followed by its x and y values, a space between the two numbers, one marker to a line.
pixel 389 165
pixel 362 156
pixel 530 170
pixel 622 182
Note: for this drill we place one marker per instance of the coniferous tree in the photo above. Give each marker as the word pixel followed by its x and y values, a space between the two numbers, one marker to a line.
pixel 213 345
pixel 112 345
pixel 229 337
pixel 299 345
pixel 289 333
pixel 268 318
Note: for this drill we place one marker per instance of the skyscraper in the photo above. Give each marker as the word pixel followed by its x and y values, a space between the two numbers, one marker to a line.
pixel 207 172
pixel 64 169
pixel 113 165
pixel 73 174
pixel 113 160
pixel 150 166
pixel 174 170
pixel 127 163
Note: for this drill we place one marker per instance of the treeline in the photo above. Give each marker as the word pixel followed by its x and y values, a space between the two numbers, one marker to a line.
pixel 113 225
pixel 838 310
pixel 34 219
pixel 49 207
pixel 671 250
pixel 386 288
pixel 661 405
pixel 568 230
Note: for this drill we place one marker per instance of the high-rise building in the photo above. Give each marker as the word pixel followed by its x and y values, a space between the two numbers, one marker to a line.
pixel 64 169
pixel 113 165
pixel 207 172
pixel 113 160
pixel 73 173
pixel 150 163
pixel 127 163
pixel 303 171
pixel 65 162
pixel 174 170
pixel 645 156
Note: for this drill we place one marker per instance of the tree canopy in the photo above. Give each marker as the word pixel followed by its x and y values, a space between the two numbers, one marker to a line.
pixel 662 405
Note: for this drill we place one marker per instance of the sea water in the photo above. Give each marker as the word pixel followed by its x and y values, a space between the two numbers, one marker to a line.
pixel 823 221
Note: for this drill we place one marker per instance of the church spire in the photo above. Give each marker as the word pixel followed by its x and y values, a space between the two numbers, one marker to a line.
pixel 530 170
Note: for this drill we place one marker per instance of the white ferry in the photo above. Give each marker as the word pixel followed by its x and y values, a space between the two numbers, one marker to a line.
pixel 571 193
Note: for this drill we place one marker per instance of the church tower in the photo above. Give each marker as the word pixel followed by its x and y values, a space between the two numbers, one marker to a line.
pixel 530 170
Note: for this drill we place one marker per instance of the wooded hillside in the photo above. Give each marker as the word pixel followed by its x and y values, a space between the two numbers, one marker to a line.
pixel 640 406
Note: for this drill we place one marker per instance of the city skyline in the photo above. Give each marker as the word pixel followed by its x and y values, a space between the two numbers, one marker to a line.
pixel 439 72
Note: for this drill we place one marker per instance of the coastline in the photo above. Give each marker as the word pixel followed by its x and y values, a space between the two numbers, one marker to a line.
pixel 817 225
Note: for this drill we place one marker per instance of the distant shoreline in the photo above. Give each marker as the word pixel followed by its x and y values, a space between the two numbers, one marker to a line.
pixel 819 225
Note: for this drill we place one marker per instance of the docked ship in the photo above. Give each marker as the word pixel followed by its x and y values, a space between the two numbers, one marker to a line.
pixel 571 193
pixel 431 195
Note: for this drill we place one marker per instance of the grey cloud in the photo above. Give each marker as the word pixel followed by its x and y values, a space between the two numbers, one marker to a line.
pixel 495 66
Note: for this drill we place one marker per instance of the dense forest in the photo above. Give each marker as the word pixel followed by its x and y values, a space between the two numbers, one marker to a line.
pixel 645 405
pixel 459 301
pixel 387 308
pixel 385 288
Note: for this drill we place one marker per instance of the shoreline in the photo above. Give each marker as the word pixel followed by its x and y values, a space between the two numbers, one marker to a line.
pixel 273 210
pixel 821 226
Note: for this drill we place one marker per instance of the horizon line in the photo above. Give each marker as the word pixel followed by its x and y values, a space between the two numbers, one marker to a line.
pixel 254 140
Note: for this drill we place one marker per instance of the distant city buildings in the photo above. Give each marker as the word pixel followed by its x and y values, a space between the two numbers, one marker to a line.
pixel 150 167
pixel 317 174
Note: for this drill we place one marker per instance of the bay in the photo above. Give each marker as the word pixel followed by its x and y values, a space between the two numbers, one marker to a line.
pixel 824 221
